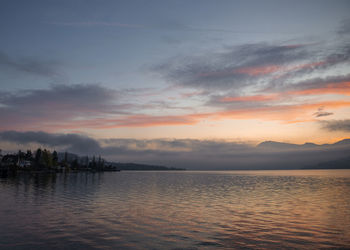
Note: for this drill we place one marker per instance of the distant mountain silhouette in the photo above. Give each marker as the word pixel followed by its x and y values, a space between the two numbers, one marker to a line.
pixel 117 165
pixel 343 142
pixel 290 146
pixel 277 145
pixel 343 163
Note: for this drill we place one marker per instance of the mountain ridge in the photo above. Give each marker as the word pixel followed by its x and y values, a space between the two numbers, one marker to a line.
pixel 285 145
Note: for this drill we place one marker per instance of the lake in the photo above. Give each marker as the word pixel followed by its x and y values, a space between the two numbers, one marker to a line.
pixel 176 210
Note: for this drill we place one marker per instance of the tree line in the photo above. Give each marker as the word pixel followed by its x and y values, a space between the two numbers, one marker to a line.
pixel 44 159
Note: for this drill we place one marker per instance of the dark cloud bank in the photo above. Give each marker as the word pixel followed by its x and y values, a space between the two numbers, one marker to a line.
pixel 58 104
pixel 188 153
pixel 336 125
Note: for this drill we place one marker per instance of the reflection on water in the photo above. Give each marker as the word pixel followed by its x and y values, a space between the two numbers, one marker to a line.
pixel 195 210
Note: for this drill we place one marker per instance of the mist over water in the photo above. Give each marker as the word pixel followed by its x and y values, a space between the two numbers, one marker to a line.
pixel 169 210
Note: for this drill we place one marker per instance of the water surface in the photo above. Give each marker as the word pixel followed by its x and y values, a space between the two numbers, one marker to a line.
pixel 175 210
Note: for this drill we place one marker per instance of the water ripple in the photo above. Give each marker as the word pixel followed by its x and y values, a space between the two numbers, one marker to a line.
pixel 176 210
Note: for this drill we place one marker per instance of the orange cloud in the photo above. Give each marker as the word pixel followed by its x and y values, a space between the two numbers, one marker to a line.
pixel 253 98
pixel 131 121
pixel 268 69
pixel 342 88
pixel 252 71
pixel 285 113
pixel 261 70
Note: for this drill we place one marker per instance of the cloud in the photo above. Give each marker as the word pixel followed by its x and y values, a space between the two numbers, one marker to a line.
pixel 253 98
pixel 188 153
pixel 339 85
pixel 236 67
pixel 266 81
pixel 72 142
pixel 285 113
pixel 262 69
pixel 29 65
pixel 336 125
pixel 59 103
pixel 320 112
pixel 139 120
pixel 67 107
pixel 291 113
pixel 332 85
pixel 76 106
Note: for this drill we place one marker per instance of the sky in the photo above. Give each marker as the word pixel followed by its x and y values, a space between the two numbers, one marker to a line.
pixel 239 72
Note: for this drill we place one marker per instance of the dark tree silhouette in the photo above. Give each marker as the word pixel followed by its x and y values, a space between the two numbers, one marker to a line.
pixel 38 155
pixel 29 155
